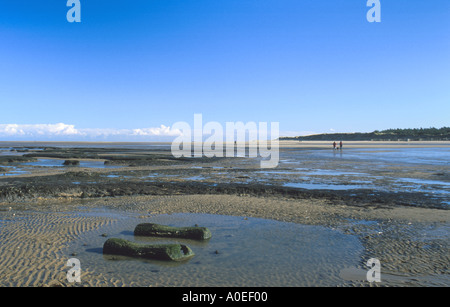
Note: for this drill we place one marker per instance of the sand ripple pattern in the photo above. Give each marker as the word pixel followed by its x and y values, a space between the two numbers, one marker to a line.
pixel 34 246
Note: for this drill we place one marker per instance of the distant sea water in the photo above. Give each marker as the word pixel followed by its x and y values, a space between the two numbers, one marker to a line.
pixel 7 146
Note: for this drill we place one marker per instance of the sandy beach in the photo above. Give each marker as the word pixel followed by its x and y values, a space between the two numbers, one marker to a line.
pixel 50 213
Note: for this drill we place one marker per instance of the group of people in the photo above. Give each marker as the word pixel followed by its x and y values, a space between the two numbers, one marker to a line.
pixel 335 145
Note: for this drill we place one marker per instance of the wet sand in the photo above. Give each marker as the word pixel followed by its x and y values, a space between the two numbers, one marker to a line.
pixel 38 238
pixel 364 144
pixel 52 214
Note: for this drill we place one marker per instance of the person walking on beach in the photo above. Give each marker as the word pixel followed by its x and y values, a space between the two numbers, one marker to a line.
pixel 340 145
pixel 334 145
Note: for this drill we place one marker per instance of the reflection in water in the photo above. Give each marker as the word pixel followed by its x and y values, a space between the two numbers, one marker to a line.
pixel 396 170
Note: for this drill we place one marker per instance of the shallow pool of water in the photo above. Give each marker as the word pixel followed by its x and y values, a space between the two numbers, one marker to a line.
pixel 324 186
pixel 241 252
pixel 195 178
pixel 12 171
pixel 424 181
pixel 408 155
pixel 423 185
pixel 59 163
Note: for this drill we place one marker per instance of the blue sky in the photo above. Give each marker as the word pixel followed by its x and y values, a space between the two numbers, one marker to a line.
pixel 311 65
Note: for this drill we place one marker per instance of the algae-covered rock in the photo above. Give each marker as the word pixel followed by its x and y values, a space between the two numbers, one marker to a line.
pixel 173 252
pixel 71 162
pixel 156 230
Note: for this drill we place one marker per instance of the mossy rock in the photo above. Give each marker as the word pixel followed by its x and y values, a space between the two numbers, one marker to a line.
pixel 172 252
pixel 71 162
pixel 156 230
pixel 14 159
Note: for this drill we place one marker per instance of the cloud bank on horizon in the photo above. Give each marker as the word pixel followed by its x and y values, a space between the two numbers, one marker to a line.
pixel 66 132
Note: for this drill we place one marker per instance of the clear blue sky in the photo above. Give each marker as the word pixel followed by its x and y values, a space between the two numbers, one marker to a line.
pixel 311 65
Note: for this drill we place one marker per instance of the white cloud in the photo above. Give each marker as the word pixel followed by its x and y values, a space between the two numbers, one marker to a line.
pixel 54 129
pixel 11 129
pixel 163 130
pixel 38 129
pixel 61 130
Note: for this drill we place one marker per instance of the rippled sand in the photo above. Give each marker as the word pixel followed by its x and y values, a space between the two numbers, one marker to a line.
pixel 38 238
pixel 33 245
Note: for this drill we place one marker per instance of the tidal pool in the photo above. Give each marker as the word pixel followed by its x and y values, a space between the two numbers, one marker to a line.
pixel 12 171
pixel 324 186
pixel 59 163
pixel 241 252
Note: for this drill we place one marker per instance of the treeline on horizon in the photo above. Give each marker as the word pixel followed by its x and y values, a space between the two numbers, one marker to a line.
pixel 414 134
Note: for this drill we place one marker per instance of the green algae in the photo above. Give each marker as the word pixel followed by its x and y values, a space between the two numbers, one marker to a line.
pixel 157 230
pixel 172 252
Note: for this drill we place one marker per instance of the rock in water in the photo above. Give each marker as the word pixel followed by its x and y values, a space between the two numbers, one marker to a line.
pixel 173 252
pixel 71 162
pixel 156 230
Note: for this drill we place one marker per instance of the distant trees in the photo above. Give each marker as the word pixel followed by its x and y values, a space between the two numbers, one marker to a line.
pixel 410 134
pixel 435 133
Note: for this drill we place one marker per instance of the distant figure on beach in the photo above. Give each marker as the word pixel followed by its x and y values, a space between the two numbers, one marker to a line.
pixel 340 145
pixel 334 145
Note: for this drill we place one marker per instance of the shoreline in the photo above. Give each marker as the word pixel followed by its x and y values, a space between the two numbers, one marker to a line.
pixel 282 143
